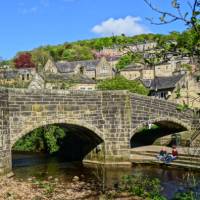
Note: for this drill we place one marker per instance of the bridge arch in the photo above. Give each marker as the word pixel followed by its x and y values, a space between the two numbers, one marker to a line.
pixel 80 142
pixel 160 120
pixel 172 125
pixel 42 123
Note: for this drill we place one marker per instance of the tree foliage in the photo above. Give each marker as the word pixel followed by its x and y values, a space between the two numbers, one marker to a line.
pixel 82 50
pixel 121 83
pixel 190 17
pixel 188 42
pixel 128 59
pixel 24 60
pixel 42 139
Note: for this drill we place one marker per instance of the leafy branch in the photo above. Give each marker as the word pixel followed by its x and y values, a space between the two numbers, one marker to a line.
pixel 190 19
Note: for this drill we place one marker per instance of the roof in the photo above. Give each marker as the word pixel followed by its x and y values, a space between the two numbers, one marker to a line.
pixel 113 58
pixel 160 83
pixel 10 74
pixel 67 67
pixel 78 78
pixel 133 67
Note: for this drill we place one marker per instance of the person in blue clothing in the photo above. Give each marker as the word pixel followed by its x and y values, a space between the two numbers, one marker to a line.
pixel 173 156
pixel 162 154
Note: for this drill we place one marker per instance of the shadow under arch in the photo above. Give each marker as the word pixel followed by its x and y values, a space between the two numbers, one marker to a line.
pixel 81 139
pixel 46 122
pixel 166 126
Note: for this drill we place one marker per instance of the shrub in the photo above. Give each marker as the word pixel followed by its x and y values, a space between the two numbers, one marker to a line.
pixel 121 83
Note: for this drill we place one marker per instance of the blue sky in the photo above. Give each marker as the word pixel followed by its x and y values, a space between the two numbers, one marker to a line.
pixel 27 24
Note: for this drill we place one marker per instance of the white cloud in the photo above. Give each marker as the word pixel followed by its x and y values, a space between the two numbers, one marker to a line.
pixel 28 10
pixel 128 26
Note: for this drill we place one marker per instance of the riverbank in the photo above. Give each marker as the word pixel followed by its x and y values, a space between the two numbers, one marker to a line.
pixel 33 189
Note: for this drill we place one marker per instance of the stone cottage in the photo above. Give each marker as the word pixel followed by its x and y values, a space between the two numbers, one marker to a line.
pixel 16 76
pixel 93 69
pixel 166 69
pixel 62 81
pixel 180 88
pixel 132 72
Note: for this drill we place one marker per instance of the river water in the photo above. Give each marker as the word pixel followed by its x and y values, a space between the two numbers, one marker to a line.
pixel 37 165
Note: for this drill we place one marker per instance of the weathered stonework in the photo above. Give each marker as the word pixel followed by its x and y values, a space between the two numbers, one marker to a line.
pixel 114 116
pixel 5 153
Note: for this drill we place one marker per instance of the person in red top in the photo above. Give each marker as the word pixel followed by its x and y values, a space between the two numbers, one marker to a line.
pixel 174 153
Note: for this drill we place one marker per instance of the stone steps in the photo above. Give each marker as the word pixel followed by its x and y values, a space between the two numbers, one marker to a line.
pixel 180 157
pixel 185 161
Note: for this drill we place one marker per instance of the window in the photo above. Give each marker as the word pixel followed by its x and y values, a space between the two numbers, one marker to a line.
pixel 27 76
pixel 104 70
pixel 81 70
pixel 23 77
pixel 162 95
pixel 82 88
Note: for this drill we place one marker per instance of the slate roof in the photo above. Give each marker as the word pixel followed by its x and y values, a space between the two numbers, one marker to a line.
pixel 67 67
pixel 68 78
pixel 113 58
pixel 160 83
pixel 10 74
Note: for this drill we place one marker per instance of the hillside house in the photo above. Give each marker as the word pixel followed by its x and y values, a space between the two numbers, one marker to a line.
pixel 12 76
pixel 180 88
pixel 93 69
pixel 62 81
pixel 132 72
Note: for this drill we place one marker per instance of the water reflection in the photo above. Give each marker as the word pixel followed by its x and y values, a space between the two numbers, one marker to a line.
pixel 41 166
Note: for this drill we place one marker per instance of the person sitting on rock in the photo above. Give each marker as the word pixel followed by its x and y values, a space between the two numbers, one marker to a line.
pixel 172 156
pixel 162 154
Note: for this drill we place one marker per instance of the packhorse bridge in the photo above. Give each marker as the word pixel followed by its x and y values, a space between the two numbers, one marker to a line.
pixel 111 117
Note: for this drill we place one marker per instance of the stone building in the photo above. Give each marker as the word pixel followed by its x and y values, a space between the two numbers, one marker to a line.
pixel 167 69
pixel 180 88
pixel 119 50
pixel 94 69
pixel 162 87
pixel 16 76
pixel 132 72
pixel 62 81
pixel 148 73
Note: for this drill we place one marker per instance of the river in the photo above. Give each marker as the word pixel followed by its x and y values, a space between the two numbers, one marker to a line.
pixel 42 167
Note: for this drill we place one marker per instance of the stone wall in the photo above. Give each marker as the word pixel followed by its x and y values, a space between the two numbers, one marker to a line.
pixel 151 110
pixel 5 154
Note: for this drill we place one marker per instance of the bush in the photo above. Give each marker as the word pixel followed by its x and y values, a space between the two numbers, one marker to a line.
pixel 41 139
pixel 143 187
pixel 121 83
pixel 186 196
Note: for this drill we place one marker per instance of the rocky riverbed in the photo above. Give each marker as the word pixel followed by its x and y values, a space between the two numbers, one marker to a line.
pixel 53 189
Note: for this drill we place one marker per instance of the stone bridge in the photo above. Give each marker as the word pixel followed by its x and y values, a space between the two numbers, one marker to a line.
pixel 112 116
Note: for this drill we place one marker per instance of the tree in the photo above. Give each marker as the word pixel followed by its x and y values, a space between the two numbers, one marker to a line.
pixel 121 83
pixel 41 139
pixel 40 58
pixel 24 61
pixel 191 17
